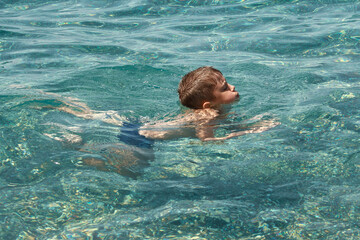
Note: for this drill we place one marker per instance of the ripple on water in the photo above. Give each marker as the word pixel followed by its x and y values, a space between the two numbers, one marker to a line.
pixel 295 60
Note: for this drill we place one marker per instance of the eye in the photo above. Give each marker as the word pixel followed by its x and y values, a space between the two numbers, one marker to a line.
pixel 226 87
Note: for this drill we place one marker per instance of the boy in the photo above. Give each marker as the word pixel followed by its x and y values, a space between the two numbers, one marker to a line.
pixel 205 91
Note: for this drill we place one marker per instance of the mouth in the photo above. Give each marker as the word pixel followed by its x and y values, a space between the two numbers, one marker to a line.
pixel 237 98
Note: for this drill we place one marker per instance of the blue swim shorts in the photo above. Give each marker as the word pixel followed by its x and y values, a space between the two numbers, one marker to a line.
pixel 130 135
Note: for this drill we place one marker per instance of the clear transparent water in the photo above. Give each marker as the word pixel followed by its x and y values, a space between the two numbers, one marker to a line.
pixel 298 60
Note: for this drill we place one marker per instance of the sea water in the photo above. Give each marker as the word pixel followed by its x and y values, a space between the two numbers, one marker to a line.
pixel 295 60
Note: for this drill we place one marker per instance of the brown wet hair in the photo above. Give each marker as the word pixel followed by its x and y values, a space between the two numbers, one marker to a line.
pixel 198 86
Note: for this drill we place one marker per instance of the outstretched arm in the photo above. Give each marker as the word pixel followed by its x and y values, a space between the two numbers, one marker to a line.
pixel 207 134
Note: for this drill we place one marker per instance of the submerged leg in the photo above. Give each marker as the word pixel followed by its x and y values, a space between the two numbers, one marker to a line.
pixel 122 159
pixel 102 166
pixel 76 107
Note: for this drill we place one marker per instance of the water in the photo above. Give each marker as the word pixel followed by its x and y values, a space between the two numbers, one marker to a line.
pixel 297 60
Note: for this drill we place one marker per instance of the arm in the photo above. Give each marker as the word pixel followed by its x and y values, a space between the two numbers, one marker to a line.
pixel 212 138
pixel 151 134
pixel 207 133
pixel 164 131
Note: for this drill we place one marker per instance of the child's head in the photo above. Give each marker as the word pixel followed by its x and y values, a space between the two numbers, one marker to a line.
pixel 205 87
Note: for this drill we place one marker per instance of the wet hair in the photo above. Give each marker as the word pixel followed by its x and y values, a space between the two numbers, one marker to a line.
pixel 198 86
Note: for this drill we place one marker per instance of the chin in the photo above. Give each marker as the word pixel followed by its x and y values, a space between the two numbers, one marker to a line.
pixel 234 100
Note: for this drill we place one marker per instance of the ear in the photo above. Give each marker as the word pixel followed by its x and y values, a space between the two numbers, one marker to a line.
pixel 206 105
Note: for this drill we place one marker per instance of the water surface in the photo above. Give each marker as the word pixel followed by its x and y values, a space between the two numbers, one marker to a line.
pixel 297 60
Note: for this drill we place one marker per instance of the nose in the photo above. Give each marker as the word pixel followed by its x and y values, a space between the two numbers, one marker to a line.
pixel 232 87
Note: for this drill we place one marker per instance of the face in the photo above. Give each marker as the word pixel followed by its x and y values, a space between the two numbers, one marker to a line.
pixel 224 94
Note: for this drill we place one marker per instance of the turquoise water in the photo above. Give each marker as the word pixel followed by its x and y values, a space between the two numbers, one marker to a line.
pixel 297 60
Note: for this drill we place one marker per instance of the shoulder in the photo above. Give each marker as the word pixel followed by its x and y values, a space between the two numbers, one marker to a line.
pixel 206 115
